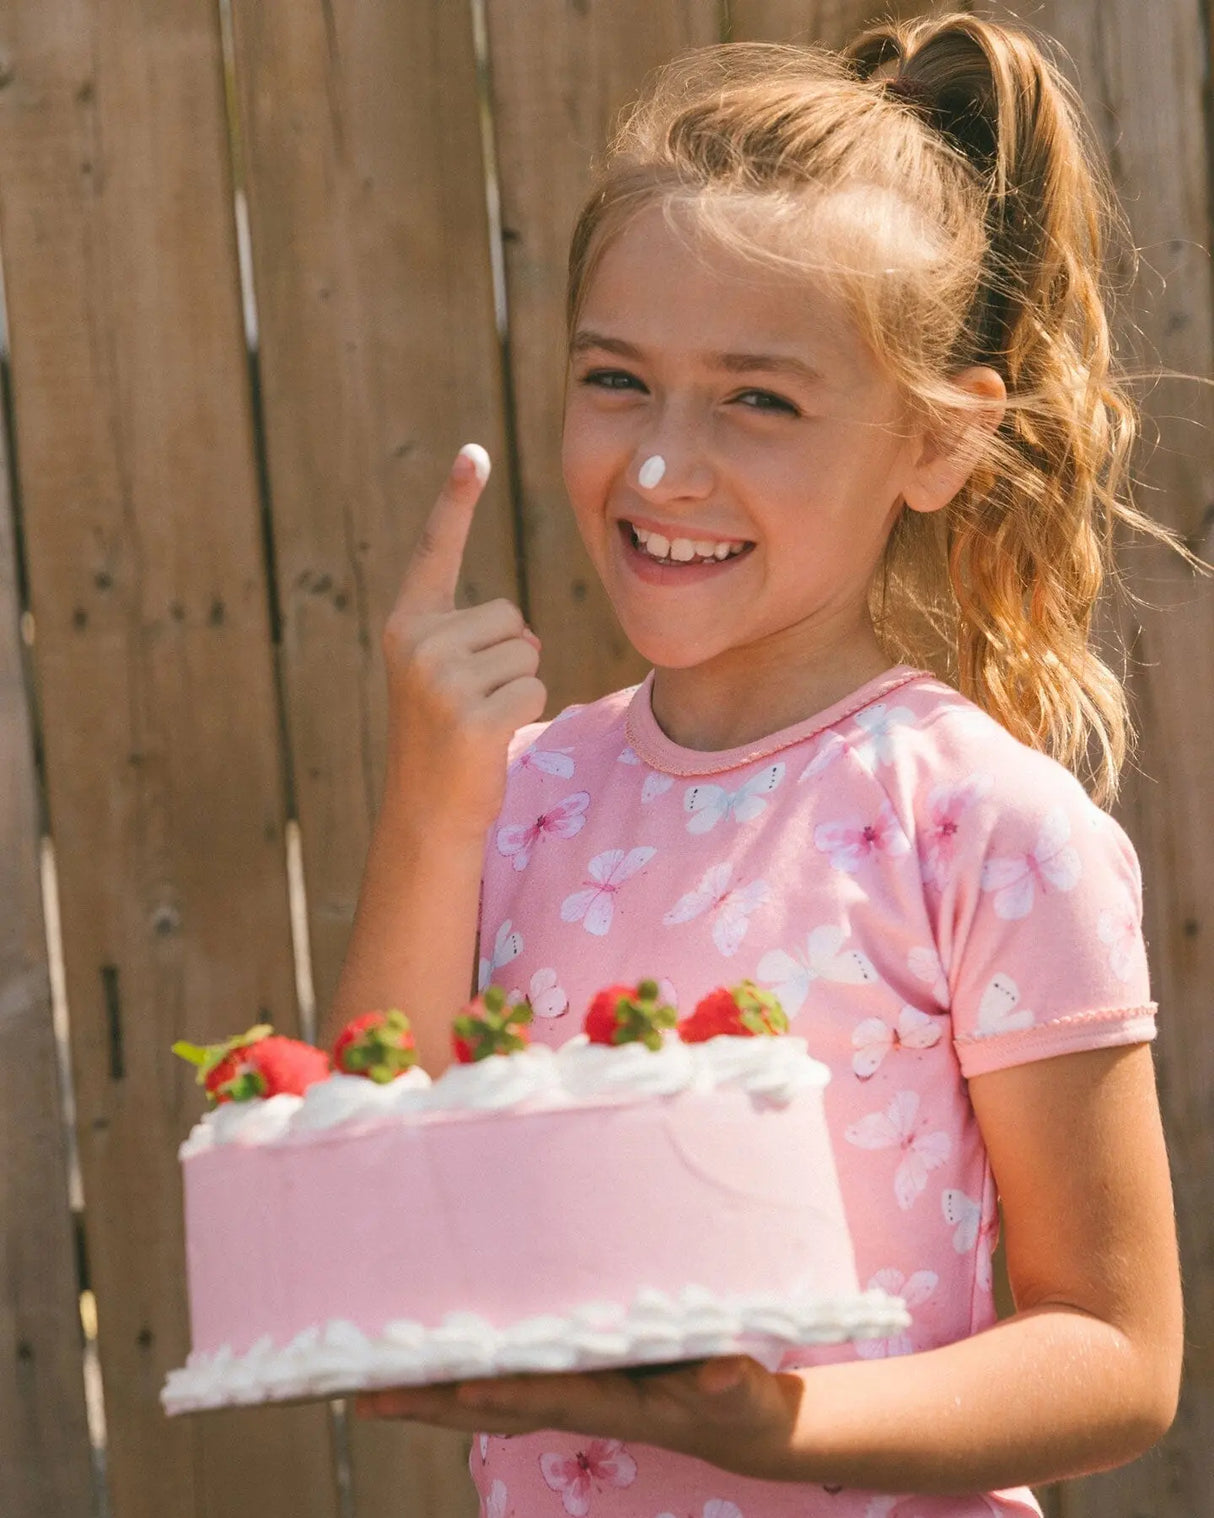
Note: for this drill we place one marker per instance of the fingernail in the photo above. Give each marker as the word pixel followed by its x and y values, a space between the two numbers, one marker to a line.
pixel 531 638
pixel 472 459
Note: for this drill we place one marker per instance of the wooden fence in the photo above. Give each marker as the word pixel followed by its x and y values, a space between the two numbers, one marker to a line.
pixel 202 528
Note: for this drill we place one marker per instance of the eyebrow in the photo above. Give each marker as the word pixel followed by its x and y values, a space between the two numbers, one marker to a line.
pixel 733 363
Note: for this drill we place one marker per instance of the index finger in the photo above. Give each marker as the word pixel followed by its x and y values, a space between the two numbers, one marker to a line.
pixel 434 565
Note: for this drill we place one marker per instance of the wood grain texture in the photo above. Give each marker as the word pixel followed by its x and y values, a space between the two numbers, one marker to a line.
pixel 154 671
pixel 1141 72
pixel 45 1460
pixel 832 23
pixel 560 74
pixel 379 356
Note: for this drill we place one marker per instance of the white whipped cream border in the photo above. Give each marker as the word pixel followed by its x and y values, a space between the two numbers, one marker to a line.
pixel 772 1069
pixel 337 1357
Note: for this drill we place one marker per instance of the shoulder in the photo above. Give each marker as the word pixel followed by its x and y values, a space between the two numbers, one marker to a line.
pixel 938 755
pixel 592 723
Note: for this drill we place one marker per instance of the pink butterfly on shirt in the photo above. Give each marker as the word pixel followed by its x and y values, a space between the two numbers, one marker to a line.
pixel 546 761
pixel 594 907
pixel 914 1291
pixel 925 965
pixel 896 1128
pixel 1119 930
pixel 507 945
pixel 999 1009
pixel 1051 862
pixel 852 842
pixel 975 1225
pixel 715 1507
pixel 547 998
pixel 946 808
pixel 709 804
pixel 564 820
pixel 603 1463
pixel 730 909
pixel 874 1038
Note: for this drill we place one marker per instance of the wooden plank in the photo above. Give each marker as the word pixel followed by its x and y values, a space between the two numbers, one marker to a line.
pixel 831 23
pixel 560 74
pixel 379 356
pixel 45 1460
pixel 1141 72
pixel 155 674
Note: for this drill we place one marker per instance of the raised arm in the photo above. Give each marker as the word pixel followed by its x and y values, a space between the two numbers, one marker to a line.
pixel 460 684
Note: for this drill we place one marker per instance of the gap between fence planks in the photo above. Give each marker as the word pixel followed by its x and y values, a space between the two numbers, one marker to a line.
pixel 155 675
pixel 45 1461
pixel 363 167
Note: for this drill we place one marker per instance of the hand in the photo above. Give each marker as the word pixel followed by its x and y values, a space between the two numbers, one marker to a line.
pixel 730 1411
pixel 460 682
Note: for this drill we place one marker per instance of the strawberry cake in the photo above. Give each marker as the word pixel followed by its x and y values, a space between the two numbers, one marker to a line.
pixel 648 1193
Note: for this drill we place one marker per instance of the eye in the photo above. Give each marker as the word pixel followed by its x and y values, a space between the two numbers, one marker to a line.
pixel 764 400
pixel 610 379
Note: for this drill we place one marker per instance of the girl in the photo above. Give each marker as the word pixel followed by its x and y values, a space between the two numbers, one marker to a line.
pixel 842 443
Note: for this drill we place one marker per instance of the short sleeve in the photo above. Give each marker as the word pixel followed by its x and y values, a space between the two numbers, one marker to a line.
pixel 1047 954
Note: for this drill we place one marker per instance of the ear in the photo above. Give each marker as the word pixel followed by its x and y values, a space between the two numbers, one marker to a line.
pixel 948 455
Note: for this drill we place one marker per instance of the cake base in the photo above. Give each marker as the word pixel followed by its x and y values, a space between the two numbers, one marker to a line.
pixel 656 1329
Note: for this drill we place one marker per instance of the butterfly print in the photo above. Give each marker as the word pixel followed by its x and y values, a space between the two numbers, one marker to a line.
pixel 603 1463
pixel 730 909
pixel 710 804
pixel 914 1292
pixel 1051 862
pixel 1119 930
pixel 715 1507
pixel 896 1128
pixel 790 976
pixel 875 1038
pixel 594 907
pixel 546 761
pixel 851 843
pixel 975 1225
pixel 629 755
pixel 946 808
pixel 495 1503
pixel 546 997
pixel 924 964
pixel 879 723
pixel 824 756
pixel 997 1009
pixel 507 945
pixel 656 784
pixel 566 819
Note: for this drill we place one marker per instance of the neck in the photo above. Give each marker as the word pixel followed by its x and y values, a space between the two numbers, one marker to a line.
pixel 752 692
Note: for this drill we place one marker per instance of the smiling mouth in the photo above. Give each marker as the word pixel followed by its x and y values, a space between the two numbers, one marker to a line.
pixel 681 551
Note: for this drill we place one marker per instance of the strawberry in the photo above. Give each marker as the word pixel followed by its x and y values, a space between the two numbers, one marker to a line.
pixel 489 1024
pixel 742 1011
pixel 378 1045
pixel 255 1064
pixel 629 1014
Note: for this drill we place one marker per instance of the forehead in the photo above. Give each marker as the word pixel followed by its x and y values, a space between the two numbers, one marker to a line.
pixel 752 275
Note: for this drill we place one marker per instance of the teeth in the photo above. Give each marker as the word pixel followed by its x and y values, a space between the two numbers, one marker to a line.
pixel 683 550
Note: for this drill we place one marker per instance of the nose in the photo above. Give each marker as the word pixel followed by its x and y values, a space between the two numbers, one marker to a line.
pixel 669 469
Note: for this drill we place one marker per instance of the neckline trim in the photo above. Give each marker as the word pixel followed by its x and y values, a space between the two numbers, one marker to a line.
pixel 654 748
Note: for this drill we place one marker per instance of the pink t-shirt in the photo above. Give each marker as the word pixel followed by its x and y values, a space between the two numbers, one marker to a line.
pixel 929 898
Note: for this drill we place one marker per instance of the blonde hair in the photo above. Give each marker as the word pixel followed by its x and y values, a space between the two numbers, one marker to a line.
pixel 975 154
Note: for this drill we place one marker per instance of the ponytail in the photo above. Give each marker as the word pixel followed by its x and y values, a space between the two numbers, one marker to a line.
pixel 1028 544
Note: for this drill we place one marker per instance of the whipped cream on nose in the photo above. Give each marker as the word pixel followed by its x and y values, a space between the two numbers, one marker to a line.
pixel 651 471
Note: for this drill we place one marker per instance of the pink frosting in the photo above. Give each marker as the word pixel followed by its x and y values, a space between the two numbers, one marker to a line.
pixel 512 1214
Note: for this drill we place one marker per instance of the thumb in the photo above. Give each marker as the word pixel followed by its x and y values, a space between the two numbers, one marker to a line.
pixel 434 566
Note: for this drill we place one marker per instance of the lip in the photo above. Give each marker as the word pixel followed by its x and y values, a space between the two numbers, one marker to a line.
pixel 679 530
pixel 652 572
